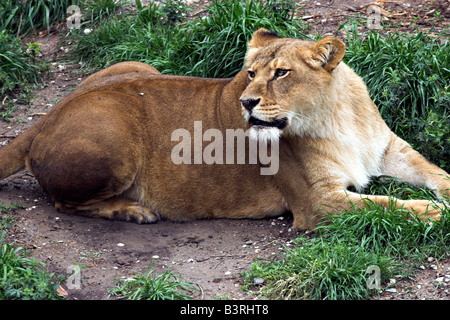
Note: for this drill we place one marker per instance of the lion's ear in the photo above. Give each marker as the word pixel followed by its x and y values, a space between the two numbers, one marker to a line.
pixel 260 38
pixel 328 52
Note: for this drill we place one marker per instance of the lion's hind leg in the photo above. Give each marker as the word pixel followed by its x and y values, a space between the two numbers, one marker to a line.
pixel 117 208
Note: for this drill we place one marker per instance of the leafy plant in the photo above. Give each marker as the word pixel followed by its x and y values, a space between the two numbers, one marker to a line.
pixel 24 278
pixel 21 277
pixel 174 10
pixel 151 286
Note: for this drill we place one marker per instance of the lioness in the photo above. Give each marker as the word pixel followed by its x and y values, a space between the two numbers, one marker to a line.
pixel 106 150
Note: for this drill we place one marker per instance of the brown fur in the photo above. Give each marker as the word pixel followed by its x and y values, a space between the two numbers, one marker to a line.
pixel 105 150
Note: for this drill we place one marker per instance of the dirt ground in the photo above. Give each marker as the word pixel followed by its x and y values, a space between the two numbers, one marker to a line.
pixel 211 253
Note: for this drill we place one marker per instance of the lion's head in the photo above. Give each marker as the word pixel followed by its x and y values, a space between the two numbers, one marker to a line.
pixel 289 81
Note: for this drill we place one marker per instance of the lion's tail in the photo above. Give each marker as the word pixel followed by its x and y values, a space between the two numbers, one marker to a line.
pixel 13 156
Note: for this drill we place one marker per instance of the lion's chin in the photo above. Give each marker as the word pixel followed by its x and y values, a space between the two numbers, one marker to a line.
pixel 265 134
pixel 266 131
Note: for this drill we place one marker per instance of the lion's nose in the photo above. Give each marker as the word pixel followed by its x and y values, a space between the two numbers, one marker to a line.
pixel 249 104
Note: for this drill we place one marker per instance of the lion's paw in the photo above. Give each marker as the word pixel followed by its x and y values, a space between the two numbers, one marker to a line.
pixel 136 213
pixel 425 210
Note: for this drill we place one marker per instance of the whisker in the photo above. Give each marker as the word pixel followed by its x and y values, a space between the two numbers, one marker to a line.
pixel 294 115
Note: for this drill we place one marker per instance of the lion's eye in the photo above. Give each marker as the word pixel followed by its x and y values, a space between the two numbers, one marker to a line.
pixel 280 73
pixel 251 74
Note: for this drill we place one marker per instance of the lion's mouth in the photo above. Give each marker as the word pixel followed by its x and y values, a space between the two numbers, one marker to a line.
pixel 277 123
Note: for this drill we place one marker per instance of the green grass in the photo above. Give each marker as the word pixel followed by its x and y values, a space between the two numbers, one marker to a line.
pixel 332 264
pixel 153 286
pixel 6 219
pixel 22 277
pixel 19 69
pixel 22 17
pixel 97 10
pixel 213 46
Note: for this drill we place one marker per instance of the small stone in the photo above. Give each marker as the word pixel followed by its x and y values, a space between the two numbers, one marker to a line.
pixel 393 290
pixel 258 281
pixel 120 244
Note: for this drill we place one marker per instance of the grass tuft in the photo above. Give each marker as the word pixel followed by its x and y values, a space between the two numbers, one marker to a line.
pixel 212 46
pixel 151 286
pixel 333 263
pixel 22 17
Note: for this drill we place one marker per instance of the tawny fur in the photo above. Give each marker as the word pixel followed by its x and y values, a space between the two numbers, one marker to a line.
pixel 105 150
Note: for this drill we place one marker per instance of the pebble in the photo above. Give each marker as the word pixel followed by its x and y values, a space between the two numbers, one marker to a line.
pixel 258 281
pixel 120 244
